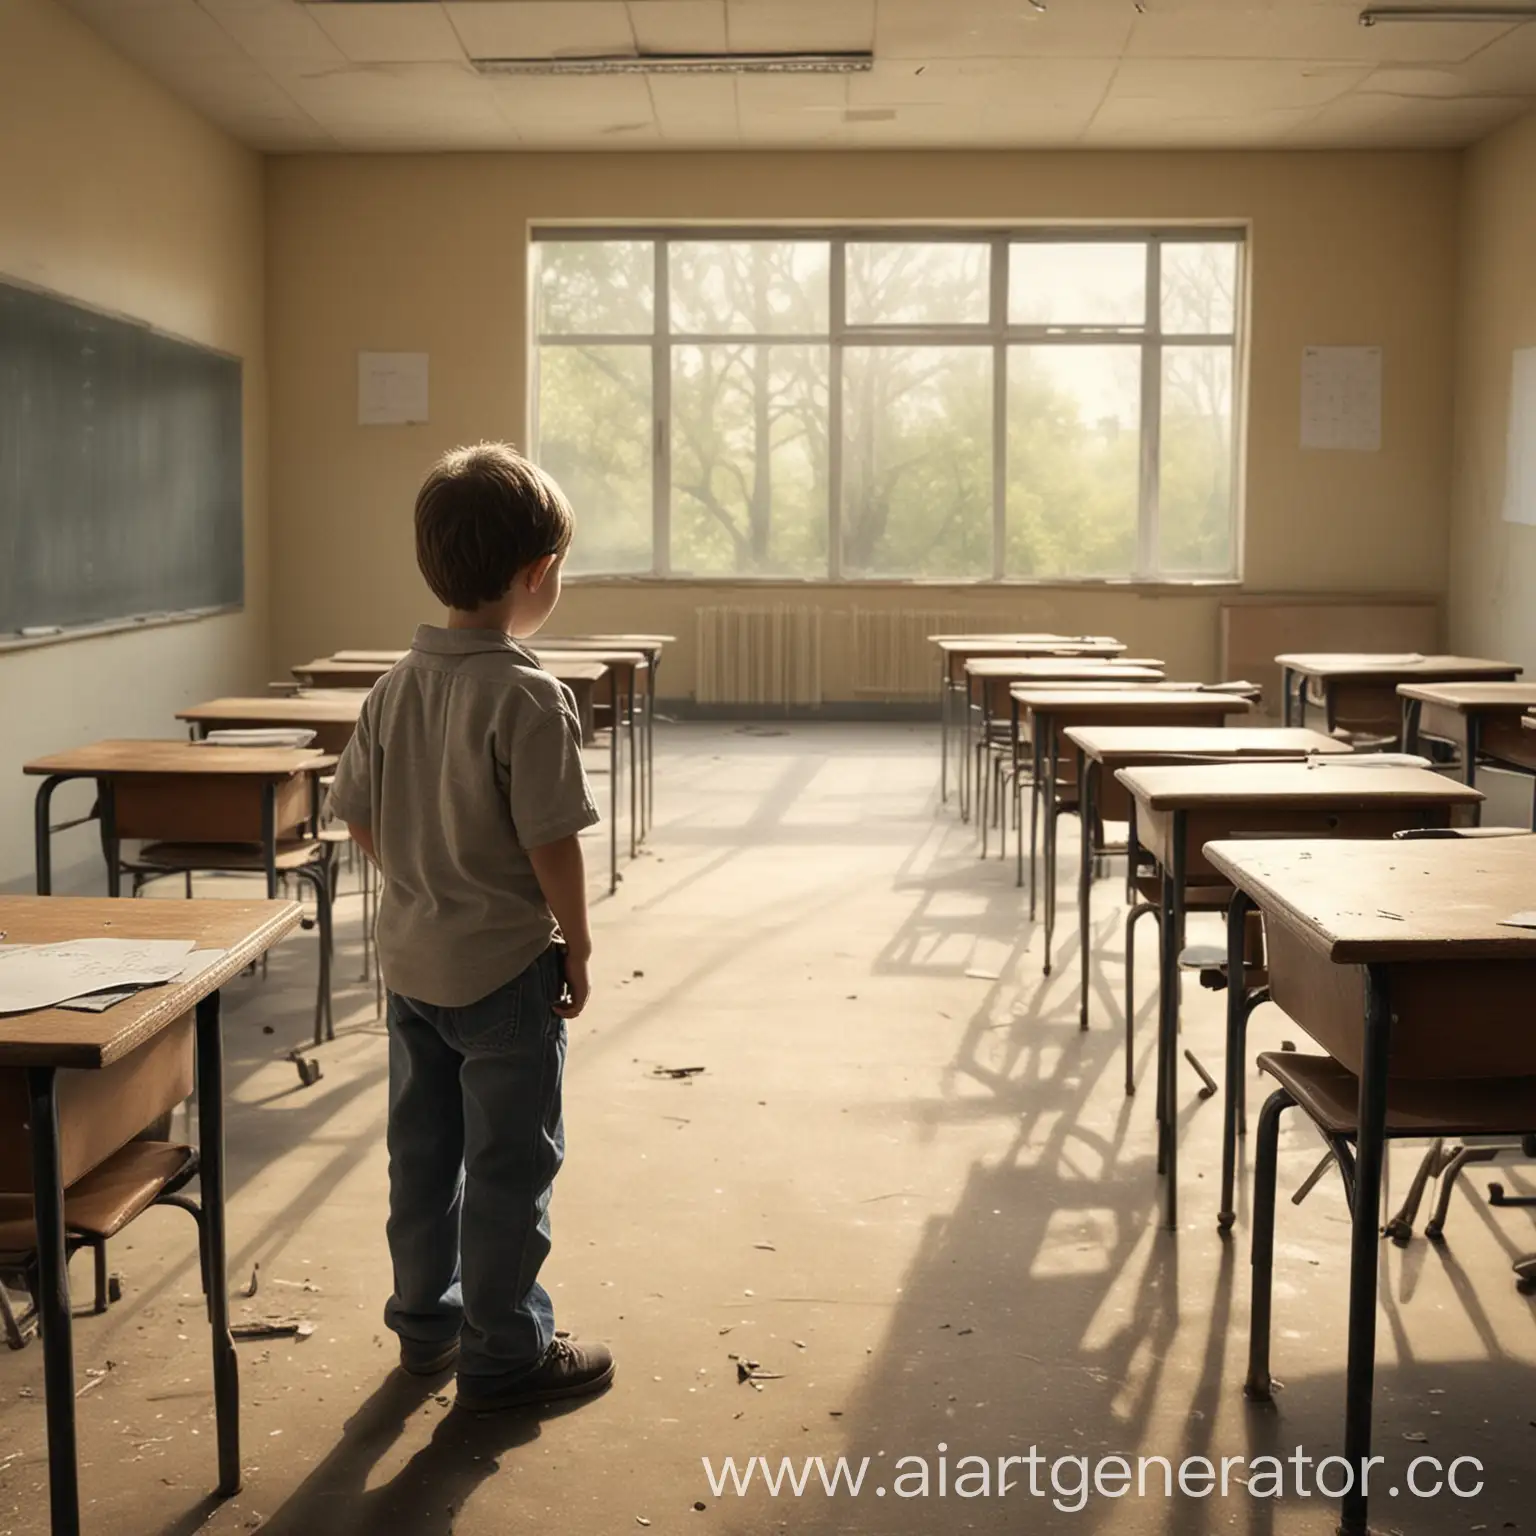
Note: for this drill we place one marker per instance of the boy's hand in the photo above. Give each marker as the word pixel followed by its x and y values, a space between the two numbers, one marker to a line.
pixel 577 987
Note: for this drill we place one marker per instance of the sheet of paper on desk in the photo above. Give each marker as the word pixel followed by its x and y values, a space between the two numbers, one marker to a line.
pixel 98 1002
pixel 1518 920
pixel 273 736
pixel 40 975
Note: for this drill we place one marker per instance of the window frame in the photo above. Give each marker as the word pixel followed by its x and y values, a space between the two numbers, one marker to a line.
pixel 997 333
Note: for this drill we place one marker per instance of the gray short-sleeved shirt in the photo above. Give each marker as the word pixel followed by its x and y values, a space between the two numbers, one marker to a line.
pixel 466 755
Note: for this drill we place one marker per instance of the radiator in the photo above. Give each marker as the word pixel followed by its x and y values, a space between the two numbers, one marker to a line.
pixel 759 655
pixel 893 658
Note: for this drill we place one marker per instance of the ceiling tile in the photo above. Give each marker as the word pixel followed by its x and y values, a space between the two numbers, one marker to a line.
pixel 407 33
pixel 791 108
pixel 695 107
pixel 678 26
pixel 1039 83
pixel 936 29
pixel 786 26
pixel 518 29
pixel 1379 120
pixel 541 108
pixel 1228 87
pixel 280 36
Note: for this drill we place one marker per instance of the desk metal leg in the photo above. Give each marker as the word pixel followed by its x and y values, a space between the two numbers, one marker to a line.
pixel 111 843
pixel 944 702
pixel 1170 942
pixel 1237 1053
pixel 1413 711
pixel 269 837
pixel 1365 1245
pixel 42 811
pixel 634 771
pixel 1035 773
pixel 1087 778
pixel 1470 770
pixel 1018 790
pixel 967 795
pixel 1050 845
pixel 210 1137
pixel 53 1302
pixel 613 785
pixel 650 741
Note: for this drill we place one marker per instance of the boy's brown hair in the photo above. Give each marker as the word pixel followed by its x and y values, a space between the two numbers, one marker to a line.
pixel 483 514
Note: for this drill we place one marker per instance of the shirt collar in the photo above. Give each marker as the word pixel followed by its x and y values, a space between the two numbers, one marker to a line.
pixel 437 640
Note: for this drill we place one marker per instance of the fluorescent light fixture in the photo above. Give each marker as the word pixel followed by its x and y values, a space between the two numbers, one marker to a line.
pixel 684 64
pixel 1507 15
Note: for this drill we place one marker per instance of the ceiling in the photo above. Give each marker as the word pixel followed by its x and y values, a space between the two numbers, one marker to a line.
pixel 289 76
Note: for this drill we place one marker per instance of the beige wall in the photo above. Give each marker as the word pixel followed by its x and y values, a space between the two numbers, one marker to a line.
pixel 418 253
pixel 1493 563
pixel 116 195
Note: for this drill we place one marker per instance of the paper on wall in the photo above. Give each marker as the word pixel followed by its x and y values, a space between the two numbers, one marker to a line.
pixel 1520 478
pixel 41 975
pixel 391 388
pixel 1341 398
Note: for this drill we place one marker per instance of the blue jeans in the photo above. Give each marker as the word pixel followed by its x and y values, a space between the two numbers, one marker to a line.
pixel 475 1140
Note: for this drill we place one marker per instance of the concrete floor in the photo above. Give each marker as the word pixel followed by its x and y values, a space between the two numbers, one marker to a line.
pixel 905 1182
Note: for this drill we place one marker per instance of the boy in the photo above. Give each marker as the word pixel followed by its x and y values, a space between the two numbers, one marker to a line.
pixel 464 784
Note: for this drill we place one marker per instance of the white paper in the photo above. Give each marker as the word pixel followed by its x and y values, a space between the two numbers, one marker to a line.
pixel 1520 479
pixel 391 388
pixel 1341 398
pixel 98 1002
pixel 40 975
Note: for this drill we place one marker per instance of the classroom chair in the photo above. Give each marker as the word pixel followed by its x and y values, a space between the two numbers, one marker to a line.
pixel 96 1208
pixel 1328 1094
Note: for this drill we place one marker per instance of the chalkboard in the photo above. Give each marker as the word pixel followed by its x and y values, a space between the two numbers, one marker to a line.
pixel 120 469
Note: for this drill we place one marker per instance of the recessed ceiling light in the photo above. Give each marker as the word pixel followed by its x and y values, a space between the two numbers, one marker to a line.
pixel 684 64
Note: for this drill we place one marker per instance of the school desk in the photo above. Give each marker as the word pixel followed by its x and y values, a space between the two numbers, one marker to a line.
pixel 1482 720
pixel 178 791
pixel 1052 710
pixel 332 717
pixel 1178 809
pixel 1103 750
pixel 651 646
pixel 50 1042
pixel 956 650
pixel 329 672
pixel 1393 957
pixel 988 679
pixel 1361 686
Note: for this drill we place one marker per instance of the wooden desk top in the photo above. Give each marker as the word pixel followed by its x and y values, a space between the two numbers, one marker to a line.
pixel 367 673
pixel 1434 899
pixel 338 707
pixel 107 759
pixel 385 658
pixel 568 670
pixel 1111 744
pixel 57 1037
pixel 637 660
pixel 1027 645
pixel 1065 703
pixel 622 642
pixel 1084 669
pixel 1474 698
pixel 1171 787
pixel 1381 665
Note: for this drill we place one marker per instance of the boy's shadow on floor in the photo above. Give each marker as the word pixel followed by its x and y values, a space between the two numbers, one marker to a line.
pixel 425 1496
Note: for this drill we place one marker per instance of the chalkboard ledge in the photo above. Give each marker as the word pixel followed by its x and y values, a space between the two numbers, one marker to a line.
pixel 14 641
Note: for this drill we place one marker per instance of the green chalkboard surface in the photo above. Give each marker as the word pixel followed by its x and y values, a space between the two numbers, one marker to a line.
pixel 120 469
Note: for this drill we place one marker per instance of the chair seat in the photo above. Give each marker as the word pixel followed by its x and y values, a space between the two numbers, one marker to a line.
pixel 102 1203
pixel 1330 1094
pixel 233 857
pixel 335 836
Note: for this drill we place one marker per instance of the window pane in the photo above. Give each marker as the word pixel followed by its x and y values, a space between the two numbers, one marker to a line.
pixel 595 287
pixel 595 439
pixel 1074 460
pixel 917 461
pixel 1200 288
pixel 749 287
pixel 934 283
pixel 1086 284
pixel 749 460
pixel 1195 499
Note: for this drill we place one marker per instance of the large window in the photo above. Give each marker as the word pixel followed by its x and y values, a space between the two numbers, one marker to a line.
pixel 957 406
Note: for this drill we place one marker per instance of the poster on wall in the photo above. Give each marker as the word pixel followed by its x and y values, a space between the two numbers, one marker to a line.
pixel 1520 478
pixel 391 388
pixel 1341 399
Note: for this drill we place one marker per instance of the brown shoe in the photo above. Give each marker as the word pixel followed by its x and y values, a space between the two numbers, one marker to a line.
pixel 568 1369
